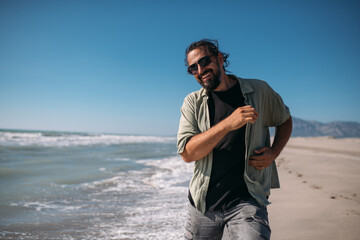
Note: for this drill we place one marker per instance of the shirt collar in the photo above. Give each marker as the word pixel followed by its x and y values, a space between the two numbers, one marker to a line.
pixel 244 84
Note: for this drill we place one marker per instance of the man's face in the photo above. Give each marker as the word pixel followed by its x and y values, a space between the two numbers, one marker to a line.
pixel 208 76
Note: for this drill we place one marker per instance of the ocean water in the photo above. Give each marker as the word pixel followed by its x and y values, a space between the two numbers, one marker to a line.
pixel 56 185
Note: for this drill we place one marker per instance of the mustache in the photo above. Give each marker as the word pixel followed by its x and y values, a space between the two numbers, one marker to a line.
pixel 207 71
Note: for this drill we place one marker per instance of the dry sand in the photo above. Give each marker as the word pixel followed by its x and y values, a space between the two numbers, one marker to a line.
pixel 319 196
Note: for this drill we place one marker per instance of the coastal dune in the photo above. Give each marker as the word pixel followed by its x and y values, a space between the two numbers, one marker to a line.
pixel 319 196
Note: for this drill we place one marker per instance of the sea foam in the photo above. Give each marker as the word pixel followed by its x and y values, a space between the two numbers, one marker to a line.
pixel 59 139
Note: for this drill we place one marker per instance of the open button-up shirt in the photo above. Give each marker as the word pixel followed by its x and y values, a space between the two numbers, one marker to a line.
pixel 195 119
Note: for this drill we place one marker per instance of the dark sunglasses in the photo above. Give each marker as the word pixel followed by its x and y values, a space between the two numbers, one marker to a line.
pixel 203 62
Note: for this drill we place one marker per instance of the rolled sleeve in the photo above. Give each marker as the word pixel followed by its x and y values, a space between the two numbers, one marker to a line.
pixel 277 111
pixel 188 125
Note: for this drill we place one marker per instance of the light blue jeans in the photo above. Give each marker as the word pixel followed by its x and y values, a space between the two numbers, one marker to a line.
pixel 248 221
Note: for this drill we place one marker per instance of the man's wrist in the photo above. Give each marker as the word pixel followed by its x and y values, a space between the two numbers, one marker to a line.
pixel 274 153
pixel 225 126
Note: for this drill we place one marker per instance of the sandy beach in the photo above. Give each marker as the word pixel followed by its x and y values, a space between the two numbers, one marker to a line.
pixel 319 196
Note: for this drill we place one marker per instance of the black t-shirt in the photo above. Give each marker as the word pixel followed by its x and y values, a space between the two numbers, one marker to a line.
pixel 227 186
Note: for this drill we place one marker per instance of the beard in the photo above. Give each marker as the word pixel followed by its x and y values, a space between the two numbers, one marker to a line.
pixel 213 82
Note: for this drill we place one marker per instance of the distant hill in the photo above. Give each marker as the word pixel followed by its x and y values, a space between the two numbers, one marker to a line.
pixel 303 128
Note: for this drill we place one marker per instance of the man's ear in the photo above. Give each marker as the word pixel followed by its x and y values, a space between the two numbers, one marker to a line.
pixel 220 58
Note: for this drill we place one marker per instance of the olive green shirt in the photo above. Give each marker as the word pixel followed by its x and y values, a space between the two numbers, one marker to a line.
pixel 195 119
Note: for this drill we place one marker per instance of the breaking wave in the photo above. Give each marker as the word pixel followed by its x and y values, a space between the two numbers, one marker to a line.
pixel 62 139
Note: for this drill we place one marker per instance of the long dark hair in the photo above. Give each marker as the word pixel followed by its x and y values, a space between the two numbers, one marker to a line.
pixel 211 45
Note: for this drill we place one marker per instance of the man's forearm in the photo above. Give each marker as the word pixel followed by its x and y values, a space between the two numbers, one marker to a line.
pixel 202 144
pixel 282 135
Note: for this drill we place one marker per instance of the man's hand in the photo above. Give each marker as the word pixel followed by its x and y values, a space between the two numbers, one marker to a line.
pixel 263 158
pixel 240 117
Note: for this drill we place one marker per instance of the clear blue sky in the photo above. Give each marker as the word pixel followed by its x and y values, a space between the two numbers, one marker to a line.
pixel 118 66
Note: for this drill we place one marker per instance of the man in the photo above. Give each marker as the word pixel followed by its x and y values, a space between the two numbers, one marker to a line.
pixel 224 130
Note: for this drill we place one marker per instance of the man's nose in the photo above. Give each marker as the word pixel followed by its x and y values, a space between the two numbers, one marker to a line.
pixel 200 69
